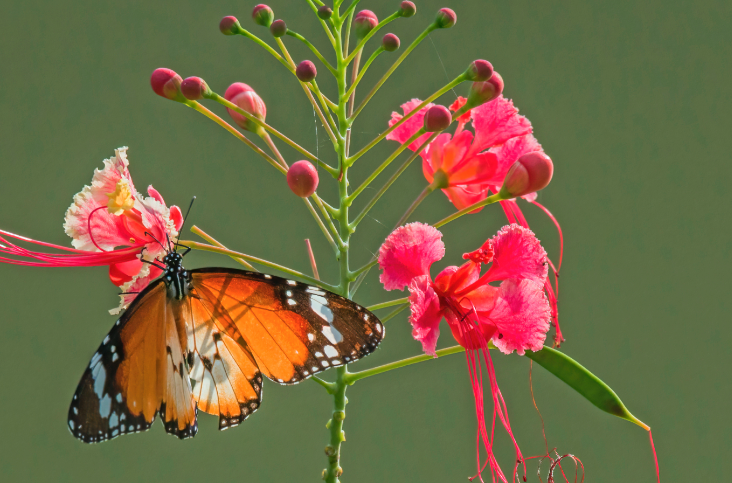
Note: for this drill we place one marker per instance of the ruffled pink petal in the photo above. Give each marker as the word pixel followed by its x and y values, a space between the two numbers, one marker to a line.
pixel 426 313
pixel 176 216
pixel 408 253
pixel 107 230
pixel 521 316
pixel 105 180
pixel 121 273
pixel 509 153
pixel 155 194
pixel 411 126
pixel 517 253
pixel 464 196
pixel 496 122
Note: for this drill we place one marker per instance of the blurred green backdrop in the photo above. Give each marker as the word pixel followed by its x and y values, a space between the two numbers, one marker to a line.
pixel 630 99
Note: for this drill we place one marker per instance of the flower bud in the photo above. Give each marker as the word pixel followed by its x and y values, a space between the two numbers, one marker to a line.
pixel 166 83
pixel 482 92
pixel 229 25
pixel 306 71
pixel 437 118
pixel 263 15
pixel 390 42
pixel 531 173
pixel 247 100
pixel 194 88
pixel 446 18
pixel 302 178
pixel 407 9
pixel 278 28
pixel 364 22
pixel 479 71
pixel 325 12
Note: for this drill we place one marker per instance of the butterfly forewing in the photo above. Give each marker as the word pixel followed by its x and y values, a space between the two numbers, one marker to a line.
pixel 134 374
pixel 293 330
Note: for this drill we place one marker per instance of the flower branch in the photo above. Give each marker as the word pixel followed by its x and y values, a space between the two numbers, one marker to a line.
pixel 315 51
pixel 390 303
pixel 223 251
pixel 357 376
pixel 371 33
pixel 213 241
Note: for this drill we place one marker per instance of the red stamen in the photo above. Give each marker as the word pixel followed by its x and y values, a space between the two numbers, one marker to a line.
pixel 559 229
pixel 89 230
pixel 655 457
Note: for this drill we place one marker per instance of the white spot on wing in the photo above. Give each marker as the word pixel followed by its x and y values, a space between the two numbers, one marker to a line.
pixel 311 336
pixel 320 307
pixel 291 282
pixel 105 406
pixel 113 420
pixel 71 424
pixel 267 276
pixel 332 334
pixel 106 340
pixel 330 351
pixel 291 302
pixel 99 374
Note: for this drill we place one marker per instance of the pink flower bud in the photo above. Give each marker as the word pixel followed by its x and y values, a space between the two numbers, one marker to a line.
pixel 263 15
pixel 479 71
pixel 390 42
pixel 482 92
pixel 194 88
pixel 364 22
pixel 278 28
pixel 437 118
pixel 166 83
pixel 247 100
pixel 306 71
pixel 302 178
pixel 229 25
pixel 446 18
pixel 407 9
pixel 532 172
pixel 325 12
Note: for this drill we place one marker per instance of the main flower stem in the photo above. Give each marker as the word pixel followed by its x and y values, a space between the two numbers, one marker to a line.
pixel 356 376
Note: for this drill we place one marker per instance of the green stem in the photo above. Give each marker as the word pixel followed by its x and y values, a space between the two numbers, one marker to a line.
pixel 393 313
pixel 322 22
pixel 385 164
pixel 266 47
pixel 391 70
pixel 269 128
pixel 366 267
pixel 371 33
pixel 355 82
pixel 406 117
pixel 260 261
pixel 357 376
pixel 268 140
pixel 391 181
pixel 390 303
pixel 322 227
pixel 465 211
pixel 199 108
pixel 213 241
pixel 315 51
pixel 332 227
pixel 306 88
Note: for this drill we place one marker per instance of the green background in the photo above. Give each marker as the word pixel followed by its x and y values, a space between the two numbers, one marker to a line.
pixel 630 99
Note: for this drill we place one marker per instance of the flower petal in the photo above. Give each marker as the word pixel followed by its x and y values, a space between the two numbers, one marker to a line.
pixel 517 253
pixel 479 169
pixel 426 313
pixel 411 126
pixel 521 316
pixel 466 195
pixel 87 213
pixel 496 122
pixel 408 253
pixel 452 279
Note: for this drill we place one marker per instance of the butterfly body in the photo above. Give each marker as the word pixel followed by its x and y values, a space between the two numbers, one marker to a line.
pixel 203 340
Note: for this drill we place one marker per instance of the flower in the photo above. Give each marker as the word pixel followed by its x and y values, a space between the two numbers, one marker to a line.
pixel 514 316
pixel 111 213
pixel 465 166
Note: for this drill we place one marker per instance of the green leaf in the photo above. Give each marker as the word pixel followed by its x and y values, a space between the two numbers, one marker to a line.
pixel 584 382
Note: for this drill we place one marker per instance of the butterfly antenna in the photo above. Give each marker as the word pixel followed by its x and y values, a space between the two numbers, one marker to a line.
pixel 158 241
pixel 184 222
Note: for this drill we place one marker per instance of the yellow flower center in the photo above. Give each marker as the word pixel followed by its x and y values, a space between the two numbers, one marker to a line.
pixel 121 199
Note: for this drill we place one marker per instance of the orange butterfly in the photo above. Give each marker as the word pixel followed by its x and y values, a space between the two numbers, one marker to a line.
pixel 203 339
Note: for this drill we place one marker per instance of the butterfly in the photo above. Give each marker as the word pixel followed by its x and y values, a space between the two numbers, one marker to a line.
pixel 203 339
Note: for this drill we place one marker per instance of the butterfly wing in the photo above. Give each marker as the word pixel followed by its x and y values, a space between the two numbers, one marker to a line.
pixel 136 372
pixel 225 377
pixel 291 329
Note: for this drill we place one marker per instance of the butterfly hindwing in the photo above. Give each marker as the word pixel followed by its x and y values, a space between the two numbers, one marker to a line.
pixel 293 330
pixel 132 376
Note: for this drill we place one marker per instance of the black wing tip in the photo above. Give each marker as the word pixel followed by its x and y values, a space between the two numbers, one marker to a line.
pixel 247 409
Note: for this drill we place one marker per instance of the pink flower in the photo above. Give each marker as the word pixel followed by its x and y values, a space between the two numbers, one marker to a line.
pixel 111 213
pixel 515 315
pixel 466 165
